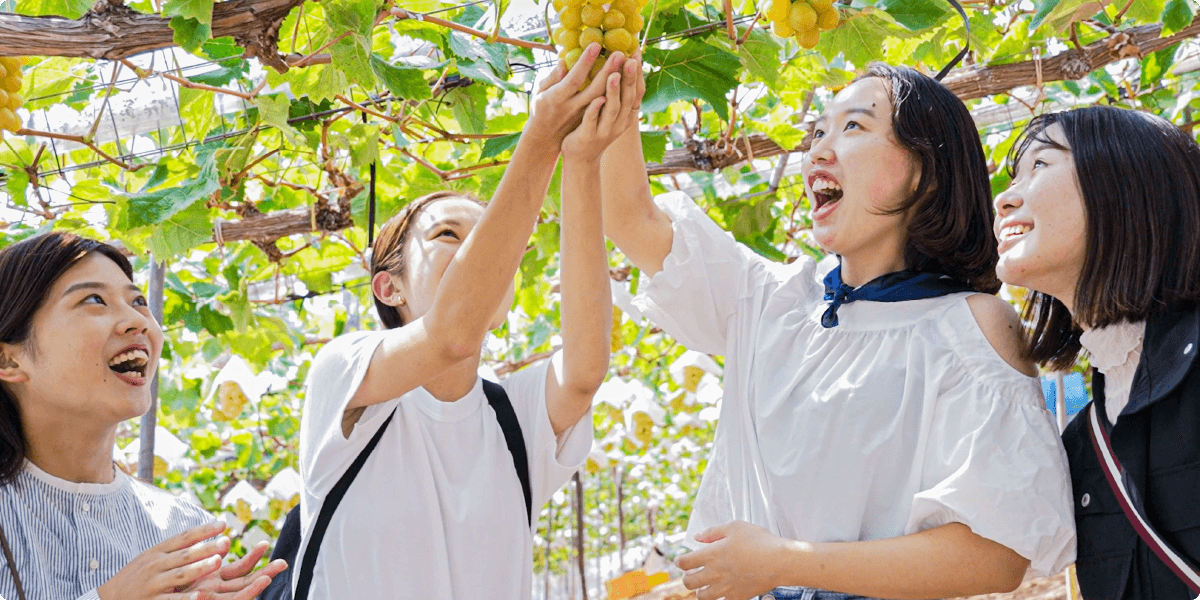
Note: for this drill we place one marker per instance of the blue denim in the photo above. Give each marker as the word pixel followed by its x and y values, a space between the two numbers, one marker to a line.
pixel 788 592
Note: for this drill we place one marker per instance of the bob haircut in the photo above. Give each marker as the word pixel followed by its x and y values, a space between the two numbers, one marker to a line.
pixel 387 254
pixel 28 269
pixel 1139 176
pixel 950 225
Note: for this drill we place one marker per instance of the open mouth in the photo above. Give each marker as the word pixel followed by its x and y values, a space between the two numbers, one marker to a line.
pixel 131 363
pixel 825 191
pixel 1013 231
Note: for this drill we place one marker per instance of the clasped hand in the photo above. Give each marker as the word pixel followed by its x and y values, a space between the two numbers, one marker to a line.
pixel 738 562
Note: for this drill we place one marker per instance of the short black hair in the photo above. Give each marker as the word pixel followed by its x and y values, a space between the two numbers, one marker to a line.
pixel 950 226
pixel 1139 177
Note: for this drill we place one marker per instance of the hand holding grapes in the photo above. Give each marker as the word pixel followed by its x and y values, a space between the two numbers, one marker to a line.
pixel 608 116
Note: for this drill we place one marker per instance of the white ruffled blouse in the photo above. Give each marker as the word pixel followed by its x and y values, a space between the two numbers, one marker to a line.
pixel 900 419
pixel 1116 350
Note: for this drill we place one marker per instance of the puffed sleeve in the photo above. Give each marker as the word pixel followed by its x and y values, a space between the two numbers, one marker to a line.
pixel 994 460
pixel 704 277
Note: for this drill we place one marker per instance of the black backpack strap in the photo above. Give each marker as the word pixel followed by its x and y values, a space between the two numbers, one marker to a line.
pixel 507 417
pixel 330 505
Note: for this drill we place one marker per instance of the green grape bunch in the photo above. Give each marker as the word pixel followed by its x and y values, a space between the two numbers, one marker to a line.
pixel 614 24
pixel 804 19
pixel 10 93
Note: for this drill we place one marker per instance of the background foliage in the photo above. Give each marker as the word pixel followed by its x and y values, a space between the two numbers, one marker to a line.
pixel 433 107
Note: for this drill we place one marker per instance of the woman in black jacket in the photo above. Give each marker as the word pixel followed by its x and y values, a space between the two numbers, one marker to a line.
pixel 1102 224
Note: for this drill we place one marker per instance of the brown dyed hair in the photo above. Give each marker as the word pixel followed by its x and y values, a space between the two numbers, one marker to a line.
pixel 1139 176
pixel 28 269
pixel 387 254
pixel 950 225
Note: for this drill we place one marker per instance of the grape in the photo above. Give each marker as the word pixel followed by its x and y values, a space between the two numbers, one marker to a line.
pixel 821 5
pixel 626 7
pixel 570 57
pixel 828 19
pixel 15 101
pixel 590 35
pixel 591 15
pixel 808 38
pixel 782 29
pixel 619 40
pixel 613 19
pixel 559 5
pixel 802 17
pixel 777 10
pixel 8 120
pixel 634 22
pixel 570 18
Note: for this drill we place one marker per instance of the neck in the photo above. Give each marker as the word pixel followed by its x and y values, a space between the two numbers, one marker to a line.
pixel 70 450
pixel 863 267
pixel 456 381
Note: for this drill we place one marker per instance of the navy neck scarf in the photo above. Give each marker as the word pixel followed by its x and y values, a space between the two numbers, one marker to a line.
pixel 892 287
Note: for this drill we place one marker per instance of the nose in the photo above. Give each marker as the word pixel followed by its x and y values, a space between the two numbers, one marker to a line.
pixel 1007 201
pixel 135 321
pixel 821 151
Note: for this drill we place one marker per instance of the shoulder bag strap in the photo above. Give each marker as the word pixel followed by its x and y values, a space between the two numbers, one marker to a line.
pixel 328 506
pixel 507 417
pixel 1112 472
pixel 12 564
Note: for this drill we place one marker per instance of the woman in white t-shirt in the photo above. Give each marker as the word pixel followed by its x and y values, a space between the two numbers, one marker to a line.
pixel 880 433
pixel 78 348
pixel 437 510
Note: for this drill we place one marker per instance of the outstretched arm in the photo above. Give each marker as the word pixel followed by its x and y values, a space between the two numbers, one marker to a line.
pixel 478 277
pixel 631 219
pixel 743 560
pixel 586 294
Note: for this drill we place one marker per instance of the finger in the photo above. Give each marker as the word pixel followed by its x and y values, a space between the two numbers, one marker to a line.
pixel 272 570
pixel 612 105
pixel 629 77
pixel 245 564
pixel 599 85
pixel 213 548
pixel 251 591
pixel 554 77
pixel 592 115
pixel 191 537
pixel 711 534
pixel 578 73
pixel 181 577
pixel 692 560
pixel 696 579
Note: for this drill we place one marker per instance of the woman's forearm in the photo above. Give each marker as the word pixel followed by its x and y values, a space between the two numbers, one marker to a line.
pixel 945 561
pixel 586 296
pixel 475 283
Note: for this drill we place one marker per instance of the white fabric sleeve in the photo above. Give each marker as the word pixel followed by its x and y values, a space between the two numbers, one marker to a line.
pixel 337 371
pixel 91 595
pixel 703 278
pixel 552 459
pixel 995 463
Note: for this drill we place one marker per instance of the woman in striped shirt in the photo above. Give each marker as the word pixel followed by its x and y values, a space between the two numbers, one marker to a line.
pixel 78 347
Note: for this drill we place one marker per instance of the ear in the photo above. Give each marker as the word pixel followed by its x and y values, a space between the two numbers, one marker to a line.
pixel 10 369
pixel 387 289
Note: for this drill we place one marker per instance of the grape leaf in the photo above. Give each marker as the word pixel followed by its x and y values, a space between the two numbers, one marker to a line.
pixel 190 34
pixel 151 208
pixel 197 10
pixel 760 56
pixel 654 145
pixel 1176 15
pixel 917 14
pixel 498 145
pixel 692 71
pixel 401 80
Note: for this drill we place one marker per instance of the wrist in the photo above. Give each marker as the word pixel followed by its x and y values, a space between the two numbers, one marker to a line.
pixel 789 564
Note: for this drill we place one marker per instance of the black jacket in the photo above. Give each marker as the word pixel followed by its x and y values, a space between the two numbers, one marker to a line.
pixel 1157 441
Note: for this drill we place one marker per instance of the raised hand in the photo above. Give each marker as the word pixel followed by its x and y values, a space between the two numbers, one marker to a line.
pixel 607 116
pixel 238 580
pixel 562 99
pixel 179 562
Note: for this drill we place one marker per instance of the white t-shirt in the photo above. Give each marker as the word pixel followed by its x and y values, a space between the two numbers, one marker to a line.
pixel 437 510
pixel 900 419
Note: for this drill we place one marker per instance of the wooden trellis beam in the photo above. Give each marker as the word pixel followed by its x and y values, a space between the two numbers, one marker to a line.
pixel 111 30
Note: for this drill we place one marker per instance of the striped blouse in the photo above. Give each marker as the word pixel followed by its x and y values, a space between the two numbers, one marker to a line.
pixel 69 538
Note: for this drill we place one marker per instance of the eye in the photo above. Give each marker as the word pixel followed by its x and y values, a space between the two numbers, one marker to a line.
pixel 818 133
pixel 140 301
pixel 94 299
pixel 1038 162
pixel 449 232
pixel 854 124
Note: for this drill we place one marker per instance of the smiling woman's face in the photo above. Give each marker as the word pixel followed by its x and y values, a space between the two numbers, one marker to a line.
pixel 93 350
pixel 856 170
pixel 1040 220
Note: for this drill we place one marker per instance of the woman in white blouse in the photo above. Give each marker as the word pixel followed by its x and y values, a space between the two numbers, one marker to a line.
pixel 78 347
pixel 880 434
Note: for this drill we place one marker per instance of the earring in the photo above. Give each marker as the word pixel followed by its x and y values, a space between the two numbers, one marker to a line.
pixel 403 302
